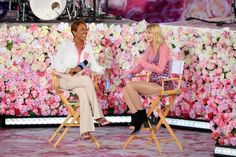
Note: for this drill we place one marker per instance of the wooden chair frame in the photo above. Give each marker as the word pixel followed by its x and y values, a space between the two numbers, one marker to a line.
pixel 172 94
pixel 72 119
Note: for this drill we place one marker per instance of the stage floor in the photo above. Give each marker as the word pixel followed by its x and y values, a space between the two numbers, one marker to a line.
pixel 33 142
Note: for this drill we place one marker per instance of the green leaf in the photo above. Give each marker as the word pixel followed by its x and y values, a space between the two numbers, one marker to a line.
pixel 110 110
pixel 234 131
pixel 9 45
pixel 172 45
pixel 32 114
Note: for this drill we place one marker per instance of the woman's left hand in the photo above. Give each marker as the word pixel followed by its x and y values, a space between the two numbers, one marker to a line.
pixel 74 71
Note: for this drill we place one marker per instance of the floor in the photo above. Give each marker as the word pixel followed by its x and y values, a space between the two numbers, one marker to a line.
pixel 33 142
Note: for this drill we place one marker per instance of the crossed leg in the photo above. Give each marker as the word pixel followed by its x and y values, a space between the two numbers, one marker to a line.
pixel 134 89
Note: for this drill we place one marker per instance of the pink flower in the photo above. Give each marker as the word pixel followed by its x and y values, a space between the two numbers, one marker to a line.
pixel 33 27
pixel 215 135
pixel 232 141
pixel 177 111
pixel 221 141
pixel 192 114
pixel 226 142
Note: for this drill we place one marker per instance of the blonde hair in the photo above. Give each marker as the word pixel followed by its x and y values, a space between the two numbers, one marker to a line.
pixel 158 38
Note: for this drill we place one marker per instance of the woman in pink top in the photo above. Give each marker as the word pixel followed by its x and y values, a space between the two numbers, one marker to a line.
pixel 155 59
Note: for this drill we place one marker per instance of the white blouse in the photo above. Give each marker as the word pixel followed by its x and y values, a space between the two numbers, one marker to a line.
pixel 67 57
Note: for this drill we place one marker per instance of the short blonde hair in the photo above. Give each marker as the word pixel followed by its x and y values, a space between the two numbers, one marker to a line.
pixel 158 38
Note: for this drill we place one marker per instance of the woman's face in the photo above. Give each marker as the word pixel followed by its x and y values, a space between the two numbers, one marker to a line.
pixel 149 36
pixel 81 32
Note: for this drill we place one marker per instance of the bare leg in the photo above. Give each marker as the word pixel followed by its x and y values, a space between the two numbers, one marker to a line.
pixel 128 101
pixel 134 89
pixel 132 93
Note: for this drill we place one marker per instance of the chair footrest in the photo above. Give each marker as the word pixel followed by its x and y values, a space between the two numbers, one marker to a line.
pixel 141 136
pixel 72 125
pixel 166 140
pixel 147 129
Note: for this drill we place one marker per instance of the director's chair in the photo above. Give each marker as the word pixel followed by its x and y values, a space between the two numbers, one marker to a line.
pixel 72 119
pixel 176 69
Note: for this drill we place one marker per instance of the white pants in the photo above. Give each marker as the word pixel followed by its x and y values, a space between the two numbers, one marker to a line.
pixel 89 107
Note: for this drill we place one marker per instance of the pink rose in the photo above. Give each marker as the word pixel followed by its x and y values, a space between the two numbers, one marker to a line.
pixel 215 134
pixel 233 141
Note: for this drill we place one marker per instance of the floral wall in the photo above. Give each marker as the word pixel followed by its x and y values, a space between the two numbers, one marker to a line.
pixel 209 80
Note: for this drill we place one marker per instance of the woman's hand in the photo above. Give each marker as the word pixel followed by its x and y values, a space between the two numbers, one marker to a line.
pixel 127 75
pixel 74 71
pixel 141 62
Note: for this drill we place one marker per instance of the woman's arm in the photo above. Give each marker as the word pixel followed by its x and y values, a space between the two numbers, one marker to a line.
pixel 138 68
pixel 65 58
pixel 57 60
pixel 164 57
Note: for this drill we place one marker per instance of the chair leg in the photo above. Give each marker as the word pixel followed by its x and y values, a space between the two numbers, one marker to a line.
pixel 154 138
pixel 59 128
pixel 151 138
pixel 94 140
pixel 171 132
pixel 163 120
pixel 154 102
pixel 131 137
pixel 61 136
pixel 66 129
pixel 154 130
pixel 128 141
pixel 164 114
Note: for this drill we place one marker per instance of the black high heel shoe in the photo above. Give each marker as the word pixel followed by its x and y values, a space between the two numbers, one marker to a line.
pixel 140 117
pixel 132 123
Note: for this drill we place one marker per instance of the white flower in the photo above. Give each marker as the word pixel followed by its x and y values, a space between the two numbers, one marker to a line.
pixel 3 50
pixel 62 26
pixel 100 26
pixel 2 59
pixel 36 44
pixel 176 50
pixel 43 81
pixel 115 28
pixel 34 67
pixel 131 30
pixel 142 26
pixel 125 65
pixel 116 81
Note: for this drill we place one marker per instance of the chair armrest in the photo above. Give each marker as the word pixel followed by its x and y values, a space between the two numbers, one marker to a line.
pixel 140 76
pixel 95 78
pixel 170 79
pixel 146 76
pixel 60 91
